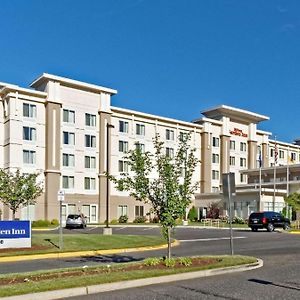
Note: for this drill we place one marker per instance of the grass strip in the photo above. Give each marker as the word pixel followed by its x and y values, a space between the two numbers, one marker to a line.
pixel 48 243
pixel 115 273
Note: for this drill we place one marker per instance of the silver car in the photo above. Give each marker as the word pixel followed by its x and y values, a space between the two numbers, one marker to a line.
pixel 76 221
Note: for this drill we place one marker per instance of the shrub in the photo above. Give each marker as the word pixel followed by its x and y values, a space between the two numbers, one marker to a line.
pixel 213 211
pixel 41 223
pixel 185 261
pixel 193 216
pixel 114 221
pixel 152 261
pixel 170 262
pixel 238 220
pixel 55 222
pixel 140 220
pixel 123 219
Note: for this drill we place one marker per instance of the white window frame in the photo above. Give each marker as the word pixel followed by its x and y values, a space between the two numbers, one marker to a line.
pixel 68 137
pixel 29 133
pixel 68 160
pixel 123 126
pixel 90 120
pixel 68 116
pixel 140 129
pixel 29 157
pixel 90 162
pixel 89 183
pixel 169 135
pixel 123 146
pixel 68 182
pixel 90 141
pixel 31 109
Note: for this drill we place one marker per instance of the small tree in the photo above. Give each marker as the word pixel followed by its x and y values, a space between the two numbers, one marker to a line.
pixel 193 216
pixel 18 189
pixel 213 211
pixel 170 191
pixel 293 200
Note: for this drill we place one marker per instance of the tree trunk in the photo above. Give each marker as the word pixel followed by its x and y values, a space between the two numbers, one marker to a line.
pixel 14 214
pixel 169 243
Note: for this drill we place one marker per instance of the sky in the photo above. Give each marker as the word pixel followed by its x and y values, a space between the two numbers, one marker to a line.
pixel 172 58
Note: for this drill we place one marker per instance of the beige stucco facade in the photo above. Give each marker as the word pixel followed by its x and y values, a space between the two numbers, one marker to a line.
pixel 58 128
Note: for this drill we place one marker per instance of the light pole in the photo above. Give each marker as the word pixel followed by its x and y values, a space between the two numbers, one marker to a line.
pixel 107 230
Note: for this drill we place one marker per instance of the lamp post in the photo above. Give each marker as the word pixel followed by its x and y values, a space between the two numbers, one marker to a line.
pixel 107 230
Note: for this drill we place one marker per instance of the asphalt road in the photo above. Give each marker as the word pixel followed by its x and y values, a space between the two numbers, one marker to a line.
pixel 279 278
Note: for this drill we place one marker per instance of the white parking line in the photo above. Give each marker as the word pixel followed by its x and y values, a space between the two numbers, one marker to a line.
pixel 212 239
pixel 121 228
pixel 149 228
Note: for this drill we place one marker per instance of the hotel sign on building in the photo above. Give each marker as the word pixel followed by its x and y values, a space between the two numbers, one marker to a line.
pixel 15 234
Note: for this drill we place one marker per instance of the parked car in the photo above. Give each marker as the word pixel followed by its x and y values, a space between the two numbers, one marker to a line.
pixel 268 220
pixel 76 221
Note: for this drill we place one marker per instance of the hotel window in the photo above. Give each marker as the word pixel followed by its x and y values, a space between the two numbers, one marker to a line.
pixel 90 141
pixel 232 145
pixel 140 129
pixel 89 183
pixel 29 110
pixel 281 154
pixel 140 146
pixel 183 136
pixel 215 189
pixel 68 116
pixel 243 178
pixel 272 152
pixel 122 210
pixel 169 152
pixel 29 157
pixel 293 156
pixel 139 211
pixel 90 120
pixel 123 166
pixel 68 182
pixel 169 135
pixel 90 162
pixel 68 160
pixel 232 161
pixel 123 146
pixel 68 138
pixel 216 142
pixel 215 174
pixel 243 162
pixel 29 134
pixel 123 126
pixel 215 158
pixel 243 146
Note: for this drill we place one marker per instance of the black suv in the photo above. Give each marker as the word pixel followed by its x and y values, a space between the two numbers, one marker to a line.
pixel 268 220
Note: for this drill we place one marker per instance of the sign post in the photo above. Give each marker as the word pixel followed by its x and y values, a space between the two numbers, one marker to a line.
pixel 60 198
pixel 228 192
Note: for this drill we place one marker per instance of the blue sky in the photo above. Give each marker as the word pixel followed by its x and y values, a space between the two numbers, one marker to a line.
pixel 171 58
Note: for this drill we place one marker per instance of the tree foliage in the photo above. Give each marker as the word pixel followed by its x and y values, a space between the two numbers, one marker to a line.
pixel 163 181
pixel 293 200
pixel 18 189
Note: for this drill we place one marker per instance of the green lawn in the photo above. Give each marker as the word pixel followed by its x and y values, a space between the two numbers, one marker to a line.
pixel 40 281
pixel 49 243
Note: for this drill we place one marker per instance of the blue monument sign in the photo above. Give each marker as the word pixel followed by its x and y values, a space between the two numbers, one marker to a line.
pixel 15 234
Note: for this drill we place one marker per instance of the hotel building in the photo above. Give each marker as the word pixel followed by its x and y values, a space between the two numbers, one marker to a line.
pixel 59 128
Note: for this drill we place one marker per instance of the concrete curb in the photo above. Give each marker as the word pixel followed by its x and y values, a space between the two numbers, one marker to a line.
pixel 82 291
pixel 82 253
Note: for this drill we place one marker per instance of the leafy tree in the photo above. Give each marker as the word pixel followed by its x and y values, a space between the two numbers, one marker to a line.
pixel 169 191
pixel 18 189
pixel 293 200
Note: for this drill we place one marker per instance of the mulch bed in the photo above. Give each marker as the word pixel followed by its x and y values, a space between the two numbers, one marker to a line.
pixel 196 262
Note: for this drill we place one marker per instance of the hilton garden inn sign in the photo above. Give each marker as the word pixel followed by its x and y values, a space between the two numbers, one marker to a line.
pixel 15 234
